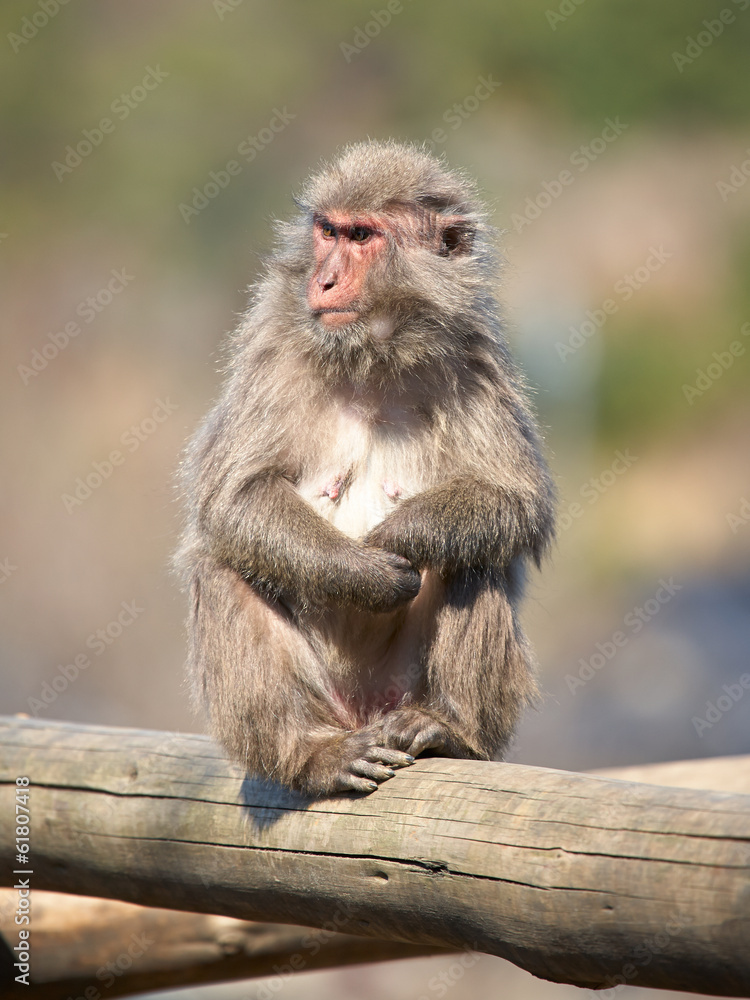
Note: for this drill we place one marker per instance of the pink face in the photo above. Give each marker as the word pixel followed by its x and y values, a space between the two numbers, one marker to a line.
pixel 345 248
pixel 346 245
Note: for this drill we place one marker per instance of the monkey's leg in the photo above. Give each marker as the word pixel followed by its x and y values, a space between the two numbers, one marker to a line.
pixel 268 696
pixel 479 674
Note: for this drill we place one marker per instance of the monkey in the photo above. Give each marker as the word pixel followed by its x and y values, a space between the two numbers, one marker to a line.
pixel 365 497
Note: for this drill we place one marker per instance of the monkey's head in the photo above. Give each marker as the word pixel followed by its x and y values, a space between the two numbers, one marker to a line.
pixel 388 264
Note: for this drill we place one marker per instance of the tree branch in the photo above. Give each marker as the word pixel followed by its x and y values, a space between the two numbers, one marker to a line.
pixel 578 879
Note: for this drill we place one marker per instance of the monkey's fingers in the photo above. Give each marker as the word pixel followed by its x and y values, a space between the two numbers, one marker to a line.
pixel 394 758
pixel 400 562
pixel 409 579
pixel 386 580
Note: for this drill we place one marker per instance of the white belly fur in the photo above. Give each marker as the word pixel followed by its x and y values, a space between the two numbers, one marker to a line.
pixel 372 459
pixel 369 459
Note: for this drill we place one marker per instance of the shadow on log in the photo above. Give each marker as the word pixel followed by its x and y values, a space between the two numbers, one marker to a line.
pixel 576 878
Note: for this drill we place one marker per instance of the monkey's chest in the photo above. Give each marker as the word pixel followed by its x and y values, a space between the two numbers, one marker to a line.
pixel 363 472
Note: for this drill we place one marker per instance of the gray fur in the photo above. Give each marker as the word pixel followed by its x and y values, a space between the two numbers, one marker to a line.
pixel 331 638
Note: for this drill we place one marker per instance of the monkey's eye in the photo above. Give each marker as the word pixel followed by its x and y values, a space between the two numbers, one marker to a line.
pixel 327 230
pixel 359 234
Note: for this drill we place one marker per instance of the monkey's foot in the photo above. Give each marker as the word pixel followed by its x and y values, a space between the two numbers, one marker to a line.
pixel 375 765
pixel 353 764
pixel 414 731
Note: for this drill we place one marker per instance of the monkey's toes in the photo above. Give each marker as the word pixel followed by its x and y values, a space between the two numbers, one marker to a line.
pixel 363 776
pixel 395 758
pixel 431 737
pixel 352 783
pixel 368 769
pixel 376 764
pixel 413 731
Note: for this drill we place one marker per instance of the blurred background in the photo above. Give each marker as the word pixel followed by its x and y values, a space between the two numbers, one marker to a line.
pixel 146 149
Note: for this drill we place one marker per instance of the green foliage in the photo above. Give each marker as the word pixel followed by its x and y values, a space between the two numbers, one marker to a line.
pixel 653 376
pixel 560 62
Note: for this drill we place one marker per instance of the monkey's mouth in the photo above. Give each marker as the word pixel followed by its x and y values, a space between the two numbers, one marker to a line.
pixel 336 317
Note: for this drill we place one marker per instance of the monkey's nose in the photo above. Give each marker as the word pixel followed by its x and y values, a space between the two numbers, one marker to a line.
pixel 327 281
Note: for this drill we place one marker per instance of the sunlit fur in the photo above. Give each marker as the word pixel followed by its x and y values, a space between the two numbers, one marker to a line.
pixel 330 448
pixel 437 302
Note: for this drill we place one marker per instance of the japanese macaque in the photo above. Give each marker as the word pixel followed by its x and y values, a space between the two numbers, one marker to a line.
pixel 363 498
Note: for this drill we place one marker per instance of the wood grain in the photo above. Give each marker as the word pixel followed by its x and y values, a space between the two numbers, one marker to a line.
pixel 576 878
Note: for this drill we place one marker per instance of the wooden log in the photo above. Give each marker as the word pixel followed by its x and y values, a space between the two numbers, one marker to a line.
pixel 86 943
pixel 578 879
pixel 91 948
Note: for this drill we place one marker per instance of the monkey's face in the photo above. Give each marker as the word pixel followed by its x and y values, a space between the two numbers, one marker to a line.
pixel 346 250
pixel 363 262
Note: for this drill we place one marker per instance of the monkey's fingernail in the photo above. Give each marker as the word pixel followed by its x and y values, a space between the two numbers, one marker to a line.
pixel 391 772
pixel 372 785
pixel 410 758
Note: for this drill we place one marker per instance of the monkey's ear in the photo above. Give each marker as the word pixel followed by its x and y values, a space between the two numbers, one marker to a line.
pixel 457 238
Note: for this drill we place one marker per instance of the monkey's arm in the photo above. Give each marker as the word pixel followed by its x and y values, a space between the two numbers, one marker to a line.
pixel 267 532
pixel 467 523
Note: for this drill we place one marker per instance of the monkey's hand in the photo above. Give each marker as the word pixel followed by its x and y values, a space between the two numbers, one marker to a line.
pixel 465 523
pixel 398 534
pixel 382 580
